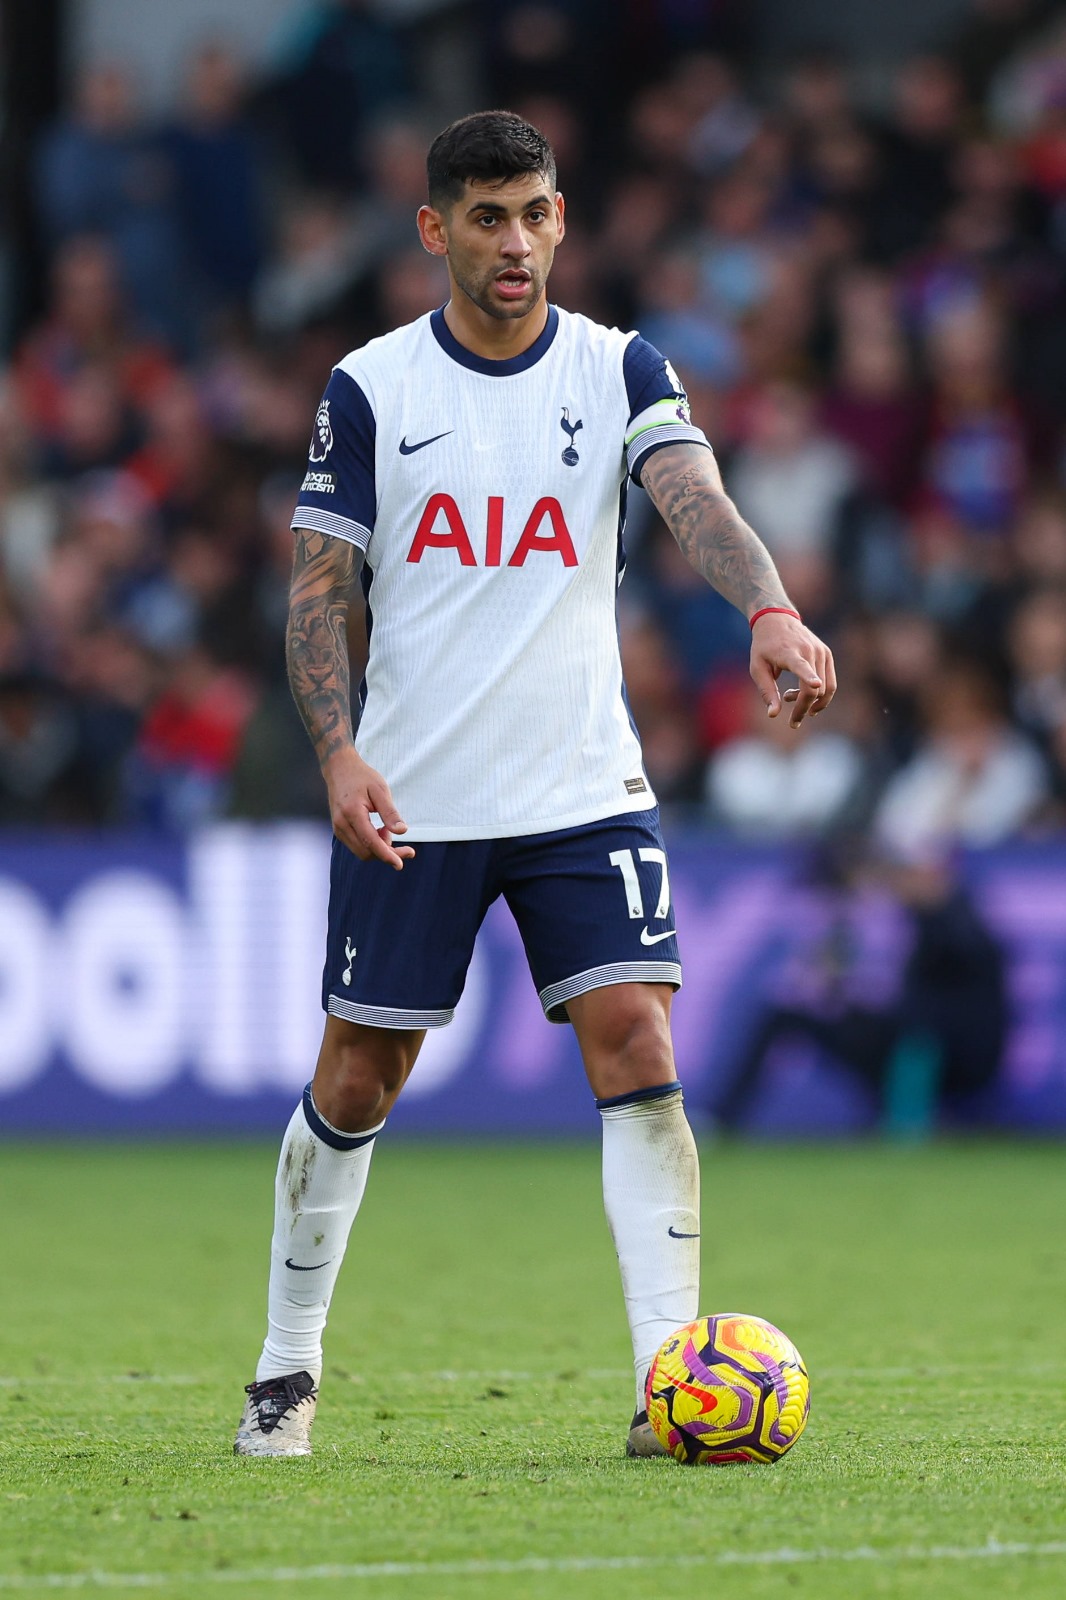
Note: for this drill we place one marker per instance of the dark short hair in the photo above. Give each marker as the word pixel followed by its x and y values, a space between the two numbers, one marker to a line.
pixel 486 147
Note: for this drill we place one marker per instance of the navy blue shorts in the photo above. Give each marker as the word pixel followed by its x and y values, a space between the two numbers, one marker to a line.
pixel 592 905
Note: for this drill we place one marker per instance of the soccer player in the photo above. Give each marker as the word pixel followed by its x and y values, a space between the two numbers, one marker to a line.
pixel 470 471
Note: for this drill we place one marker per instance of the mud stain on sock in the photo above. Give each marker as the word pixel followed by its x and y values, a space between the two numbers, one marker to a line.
pixel 297 1169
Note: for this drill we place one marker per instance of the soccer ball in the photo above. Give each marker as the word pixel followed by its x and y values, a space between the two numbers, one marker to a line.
pixel 729 1388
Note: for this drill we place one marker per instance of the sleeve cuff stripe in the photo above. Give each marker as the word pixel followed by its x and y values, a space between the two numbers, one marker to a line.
pixel 654 438
pixel 330 523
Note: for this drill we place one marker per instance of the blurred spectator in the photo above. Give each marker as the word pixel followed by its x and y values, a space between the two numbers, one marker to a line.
pixel 12 633
pixel 791 480
pixel 534 53
pixel 29 504
pixel 982 445
pixel 314 268
pixel 988 35
pixel 39 753
pixel 275 773
pixel 96 427
pixel 738 246
pixel 218 184
pixel 661 709
pixel 330 252
pixel 409 284
pixel 168 612
pixel 675 314
pixel 1043 154
pixel 576 283
pixel 815 95
pixel 179 463
pixel 841 176
pixel 870 403
pixel 1040 540
pixel 652 34
pixel 778 782
pixel 906 652
pixel 973 779
pixel 776 336
pixel 113 680
pixel 918 144
pixel 106 552
pixel 103 170
pixel 954 572
pixel 1037 654
pixel 638 217
pixel 86 328
pixel 889 1003
pixel 704 631
pixel 1028 83
pixel 179 772
pixel 341 64
pixel 724 122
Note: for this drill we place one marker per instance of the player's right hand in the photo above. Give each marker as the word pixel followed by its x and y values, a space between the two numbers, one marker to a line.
pixel 355 792
pixel 781 643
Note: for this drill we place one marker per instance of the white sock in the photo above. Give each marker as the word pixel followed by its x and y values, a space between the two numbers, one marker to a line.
pixel 322 1174
pixel 651 1194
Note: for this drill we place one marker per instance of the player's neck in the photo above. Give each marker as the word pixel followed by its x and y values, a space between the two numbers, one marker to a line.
pixel 490 337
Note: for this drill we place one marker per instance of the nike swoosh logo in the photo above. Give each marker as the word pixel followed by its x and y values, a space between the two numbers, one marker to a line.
pixel 409 449
pixel 675 1235
pixel 655 938
pixel 297 1268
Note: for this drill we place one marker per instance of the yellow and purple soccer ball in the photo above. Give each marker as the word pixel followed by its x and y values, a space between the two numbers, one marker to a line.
pixel 726 1389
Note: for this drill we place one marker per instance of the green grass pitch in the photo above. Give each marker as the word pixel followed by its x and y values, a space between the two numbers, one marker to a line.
pixel 476 1396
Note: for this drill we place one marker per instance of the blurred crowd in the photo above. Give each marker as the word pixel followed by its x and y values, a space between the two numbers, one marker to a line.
pixel 860 279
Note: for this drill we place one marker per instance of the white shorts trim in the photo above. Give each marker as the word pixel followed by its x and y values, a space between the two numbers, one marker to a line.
pixel 556 994
pixel 387 1016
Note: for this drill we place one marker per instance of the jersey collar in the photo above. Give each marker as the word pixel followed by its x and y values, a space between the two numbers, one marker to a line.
pixel 494 369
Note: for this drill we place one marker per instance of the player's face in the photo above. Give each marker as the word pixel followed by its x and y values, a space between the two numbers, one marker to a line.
pixel 500 242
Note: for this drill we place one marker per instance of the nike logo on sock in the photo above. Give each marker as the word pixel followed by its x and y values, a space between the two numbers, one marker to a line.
pixel 655 938
pixel 297 1268
pixel 675 1235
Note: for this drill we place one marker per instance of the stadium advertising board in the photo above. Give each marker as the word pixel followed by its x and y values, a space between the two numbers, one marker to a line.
pixel 173 986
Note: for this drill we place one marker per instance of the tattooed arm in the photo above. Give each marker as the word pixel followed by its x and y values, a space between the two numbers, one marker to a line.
pixel 686 488
pixel 324 571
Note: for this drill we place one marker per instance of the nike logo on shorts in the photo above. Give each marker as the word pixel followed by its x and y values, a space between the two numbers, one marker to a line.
pixel 675 1235
pixel 409 449
pixel 655 938
pixel 295 1268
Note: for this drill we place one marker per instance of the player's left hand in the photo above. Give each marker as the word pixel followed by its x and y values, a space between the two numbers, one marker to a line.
pixel 781 643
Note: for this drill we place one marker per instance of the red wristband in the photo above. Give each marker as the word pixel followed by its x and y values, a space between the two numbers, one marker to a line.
pixel 786 611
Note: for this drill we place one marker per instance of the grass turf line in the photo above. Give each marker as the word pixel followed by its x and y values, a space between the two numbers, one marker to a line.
pixel 923 1287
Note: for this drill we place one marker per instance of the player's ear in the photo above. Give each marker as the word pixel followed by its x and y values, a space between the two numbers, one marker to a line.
pixel 560 216
pixel 431 230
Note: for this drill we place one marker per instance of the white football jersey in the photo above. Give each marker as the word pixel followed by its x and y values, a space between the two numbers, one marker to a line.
pixel 489 499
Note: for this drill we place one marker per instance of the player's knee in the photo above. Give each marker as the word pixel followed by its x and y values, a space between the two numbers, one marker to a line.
pixel 359 1075
pixel 634 1049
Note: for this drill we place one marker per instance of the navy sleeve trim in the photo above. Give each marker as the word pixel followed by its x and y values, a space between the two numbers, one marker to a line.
pixel 339 494
pixel 329 523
